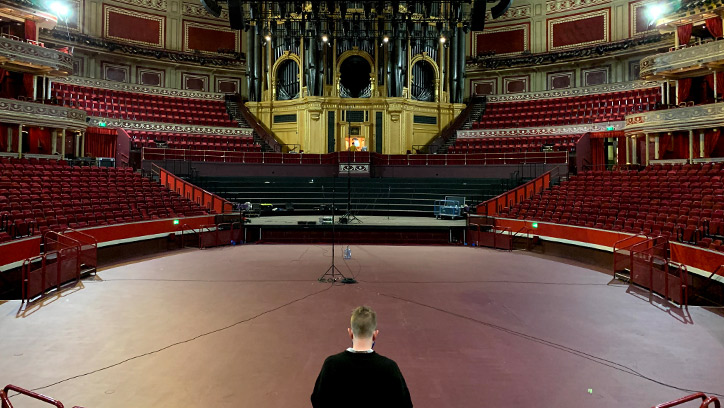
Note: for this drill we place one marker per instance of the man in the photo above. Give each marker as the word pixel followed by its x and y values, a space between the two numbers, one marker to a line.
pixel 359 377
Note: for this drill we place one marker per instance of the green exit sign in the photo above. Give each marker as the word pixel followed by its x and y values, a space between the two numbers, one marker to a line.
pixel 175 222
pixel 102 124
pixel 535 225
pixel 609 127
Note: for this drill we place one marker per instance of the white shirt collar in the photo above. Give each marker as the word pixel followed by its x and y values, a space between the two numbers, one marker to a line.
pixel 351 350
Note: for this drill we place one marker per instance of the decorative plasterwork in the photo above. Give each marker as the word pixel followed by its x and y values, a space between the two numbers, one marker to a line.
pixel 541 131
pixel 356 168
pixel 513 13
pixel 45 59
pixel 107 10
pixel 196 10
pixel 567 93
pixel 684 62
pixel 149 90
pixel 161 5
pixel 693 117
pixel 516 27
pixel 560 6
pixel 37 114
pixel 633 17
pixel 192 24
pixel 606 13
pixel 170 127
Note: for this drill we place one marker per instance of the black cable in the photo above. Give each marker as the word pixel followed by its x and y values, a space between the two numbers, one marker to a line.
pixel 182 341
pixel 496 281
pixel 587 356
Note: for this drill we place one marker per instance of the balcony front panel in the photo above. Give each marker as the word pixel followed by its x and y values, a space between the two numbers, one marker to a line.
pixel 689 118
pixel 18 55
pixel 685 62
pixel 38 114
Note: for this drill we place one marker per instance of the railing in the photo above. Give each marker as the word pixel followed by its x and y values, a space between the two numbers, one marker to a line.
pixel 705 401
pixel 24 51
pixel 220 234
pixel 88 249
pixel 483 231
pixel 473 159
pixel 651 268
pixel 493 206
pixel 183 229
pixel 200 196
pixel 59 265
pixel 258 128
pixel 449 131
pixel 40 397
pixel 622 260
pixel 709 280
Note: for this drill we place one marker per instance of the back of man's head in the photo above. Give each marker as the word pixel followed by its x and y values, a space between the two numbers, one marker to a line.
pixel 363 322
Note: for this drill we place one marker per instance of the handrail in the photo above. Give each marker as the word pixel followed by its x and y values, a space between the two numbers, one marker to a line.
pixel 447 133
pixel 164 177
pixel 705 401
pixel 539 184
pixel 258 128
pixel 31 394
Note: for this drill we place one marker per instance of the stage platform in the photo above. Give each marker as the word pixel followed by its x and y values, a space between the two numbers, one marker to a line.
pixel 368 230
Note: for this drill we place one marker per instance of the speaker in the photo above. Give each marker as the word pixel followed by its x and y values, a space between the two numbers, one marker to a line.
pixel 500 8
pixel 236 15
pixel 477 16
pixel 212 7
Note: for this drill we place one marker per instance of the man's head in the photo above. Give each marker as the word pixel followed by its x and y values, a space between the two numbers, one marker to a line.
pixel 363 323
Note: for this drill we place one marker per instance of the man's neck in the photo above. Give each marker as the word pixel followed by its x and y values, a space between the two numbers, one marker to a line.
pixel 362 345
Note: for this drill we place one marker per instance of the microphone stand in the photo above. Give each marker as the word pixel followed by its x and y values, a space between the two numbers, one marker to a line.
pixel 333 273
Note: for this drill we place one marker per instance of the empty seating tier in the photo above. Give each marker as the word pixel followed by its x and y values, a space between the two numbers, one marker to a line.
pixel 606 107
pixel 194 142
pixel 683 202
pixel 514 144
pixel 136 106
pixel 36 196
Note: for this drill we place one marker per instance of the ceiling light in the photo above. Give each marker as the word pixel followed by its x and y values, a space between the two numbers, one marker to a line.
pixel 385 39
pixel 325 38
pixel 442 39
pixel 59 9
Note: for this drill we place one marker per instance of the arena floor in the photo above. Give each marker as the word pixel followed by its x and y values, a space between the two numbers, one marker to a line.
pixel 249 326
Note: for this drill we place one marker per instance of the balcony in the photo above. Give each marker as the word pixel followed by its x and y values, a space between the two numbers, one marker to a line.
pixel 32 57
pixel 38 114
pixel 689 61
pixel 688 118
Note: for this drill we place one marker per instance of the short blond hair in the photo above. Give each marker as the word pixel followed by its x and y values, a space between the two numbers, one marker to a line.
pixel 363 322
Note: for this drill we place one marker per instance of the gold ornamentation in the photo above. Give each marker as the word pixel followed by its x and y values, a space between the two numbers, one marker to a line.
pixel 513 13
pixel 188 24
pixel 195 10
pixel 160 5
pixel 526 34
pixel 606 13
pixel 559 6
pixel 150 17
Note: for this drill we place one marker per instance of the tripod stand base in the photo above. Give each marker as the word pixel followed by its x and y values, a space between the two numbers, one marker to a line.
pixel 333 275
pixel 349 218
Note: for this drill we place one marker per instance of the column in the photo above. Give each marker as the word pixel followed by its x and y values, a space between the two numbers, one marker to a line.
pixel 634 140
pixel 49 87
pixel 656 147
pixel 76 145
pixel 646 160
pixel 701 144
pixel 82 143
pixel 10 140
pixel 716 96
pixel 668 93
pixel 663 93
pixel 691 146
pixel 20 141
pixel 62 143
pixel 35 87
pixel 677 93
pixel 54 141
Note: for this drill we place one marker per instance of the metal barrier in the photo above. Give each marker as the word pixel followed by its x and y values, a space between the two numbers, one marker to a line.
pixel 651 268
pixel 622 259
pixel 220 234
pixel 65 257
pixel 5 400
pixel 705 401
pixel 486 233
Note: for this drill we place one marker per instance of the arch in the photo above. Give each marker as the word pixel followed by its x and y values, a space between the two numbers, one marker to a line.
pixel 350 53
pixel 424 57
pixel 286 56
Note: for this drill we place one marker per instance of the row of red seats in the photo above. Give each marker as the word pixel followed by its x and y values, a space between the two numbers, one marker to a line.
pixel 194 142
pixel 36 196
pixel 684 202
pixel 136 106
pixel 566 111
pixel 514 144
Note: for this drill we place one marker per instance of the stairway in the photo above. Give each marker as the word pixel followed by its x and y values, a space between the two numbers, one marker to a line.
pixel 232 106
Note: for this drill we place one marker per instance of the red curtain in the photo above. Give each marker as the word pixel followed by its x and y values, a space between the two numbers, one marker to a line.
pixel 664 144
pixel 711 140
pixel 28 83
pixel 40 140
pixel 714 26
pixel 30 32
pixel 684 32
pixel 3 138
pixel 682 88
pixel 621 159
pixel 100 142
pixel 681 146
pixel 612 133
pixel 598 156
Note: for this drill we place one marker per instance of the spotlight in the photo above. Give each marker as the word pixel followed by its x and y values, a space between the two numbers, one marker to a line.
pixel 60 9
pixel 267 37
pixel 385 39
pixel 442 39
pixel 325 38
pixel 655 11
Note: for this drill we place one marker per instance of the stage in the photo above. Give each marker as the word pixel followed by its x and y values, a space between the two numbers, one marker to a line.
pixel 367 229
pixel 250 325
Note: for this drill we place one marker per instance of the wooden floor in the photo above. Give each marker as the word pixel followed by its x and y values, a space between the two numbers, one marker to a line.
pixel 249 326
